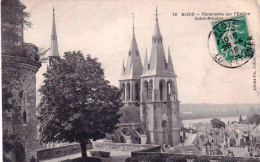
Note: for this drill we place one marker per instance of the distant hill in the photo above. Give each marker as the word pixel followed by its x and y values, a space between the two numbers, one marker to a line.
pixel 203 110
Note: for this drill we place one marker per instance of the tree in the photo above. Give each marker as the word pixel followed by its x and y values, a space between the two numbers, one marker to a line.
pixel 77 103
pixel 254 119
pixel 216 123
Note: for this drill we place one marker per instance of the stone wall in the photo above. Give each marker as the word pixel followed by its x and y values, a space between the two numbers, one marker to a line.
pixel 154 154
pixel 120 146
pixel 60 151
pixel 20 76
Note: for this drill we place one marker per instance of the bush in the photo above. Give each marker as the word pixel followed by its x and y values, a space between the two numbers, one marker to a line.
pixel 100 153
pixel 87 159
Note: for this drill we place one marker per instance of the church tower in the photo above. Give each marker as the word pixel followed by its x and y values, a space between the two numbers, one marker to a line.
pixel 54 42
pixel 130 75
pixel 159 107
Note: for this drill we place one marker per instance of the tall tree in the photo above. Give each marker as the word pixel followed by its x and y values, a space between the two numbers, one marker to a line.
pixel 77 103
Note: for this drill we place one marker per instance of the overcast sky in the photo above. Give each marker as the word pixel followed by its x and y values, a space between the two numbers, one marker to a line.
pixel 104 30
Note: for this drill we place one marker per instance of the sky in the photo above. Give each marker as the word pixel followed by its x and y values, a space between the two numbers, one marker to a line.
pixel 104 30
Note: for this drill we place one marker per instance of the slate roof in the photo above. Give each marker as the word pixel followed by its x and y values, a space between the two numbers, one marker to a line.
pixel 157 64
pixel 134 67
pixel 186 149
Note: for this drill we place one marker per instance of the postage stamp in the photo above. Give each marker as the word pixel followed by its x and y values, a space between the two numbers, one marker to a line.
pixel 230 43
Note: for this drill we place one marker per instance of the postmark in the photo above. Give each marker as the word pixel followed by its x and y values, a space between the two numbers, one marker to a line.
pixel 230 43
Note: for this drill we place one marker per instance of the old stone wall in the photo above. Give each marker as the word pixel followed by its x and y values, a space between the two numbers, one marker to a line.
pixel 55 152
pixel 120 146
pixel 21 73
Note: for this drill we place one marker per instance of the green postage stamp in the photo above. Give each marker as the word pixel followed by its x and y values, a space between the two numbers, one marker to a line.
pixel 234 44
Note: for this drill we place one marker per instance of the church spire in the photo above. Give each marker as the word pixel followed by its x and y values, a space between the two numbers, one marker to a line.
pixel 133 23
pixel 133 66
pixel 54 42
pixel 157 32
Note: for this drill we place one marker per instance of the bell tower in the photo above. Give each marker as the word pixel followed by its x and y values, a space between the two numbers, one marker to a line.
pixel 130 75
pixel 159 107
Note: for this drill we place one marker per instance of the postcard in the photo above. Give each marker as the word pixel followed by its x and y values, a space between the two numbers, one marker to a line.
pixel 92 80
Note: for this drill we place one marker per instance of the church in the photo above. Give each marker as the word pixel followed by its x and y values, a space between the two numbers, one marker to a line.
pixel 150 114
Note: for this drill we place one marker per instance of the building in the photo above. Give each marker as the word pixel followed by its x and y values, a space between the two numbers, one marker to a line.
pixel 149 93
pixel 19 77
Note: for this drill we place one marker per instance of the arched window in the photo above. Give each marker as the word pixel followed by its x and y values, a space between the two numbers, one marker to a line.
pixel 170 90
pixel 162 90
pixel 137 91
pixel 24 117
pixel 150 90
pixel 126 132
pixel 140 131
pixel 145 90
pixel 128 91
pixel 123 91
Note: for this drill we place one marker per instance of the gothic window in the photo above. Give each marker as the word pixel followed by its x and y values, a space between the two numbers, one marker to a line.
pixel 145 90
pixel 140 131
pixel 126 132
pixel 161 90
pixel 24 117
pixel 171 91
pixel 150 90
pixel 123 91
pixel 137 91
pixel 128 91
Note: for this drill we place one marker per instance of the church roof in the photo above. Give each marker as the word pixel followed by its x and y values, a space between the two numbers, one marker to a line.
pixel 130 114
pixel 157 64
pixel 54 41
pixel 133 68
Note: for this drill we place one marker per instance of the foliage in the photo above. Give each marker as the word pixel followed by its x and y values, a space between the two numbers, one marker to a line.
pixel 77 103
pixel 254 119
pixel 216 123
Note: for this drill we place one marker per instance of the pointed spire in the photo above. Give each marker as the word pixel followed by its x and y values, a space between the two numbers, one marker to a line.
pixel 170 65
pixel 54 42
pixel 145 69
pixel 157 32
pixel 156 14
pixel 133 23
pixel 134 47
pixel 133 68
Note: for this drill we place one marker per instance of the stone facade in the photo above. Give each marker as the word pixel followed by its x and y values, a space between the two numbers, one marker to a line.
pixel 153 88
pixel 22 121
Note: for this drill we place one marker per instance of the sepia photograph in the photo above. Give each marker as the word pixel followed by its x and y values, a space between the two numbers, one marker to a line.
pixel 130 81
